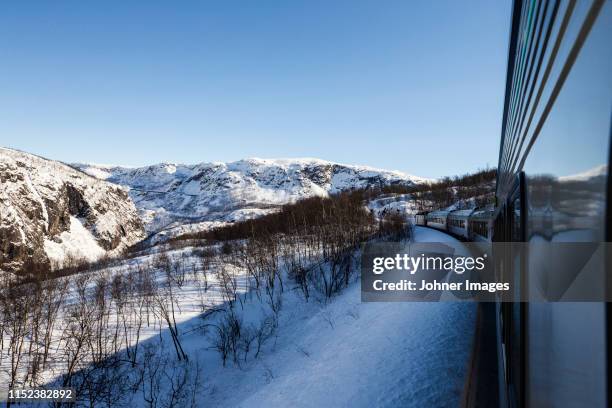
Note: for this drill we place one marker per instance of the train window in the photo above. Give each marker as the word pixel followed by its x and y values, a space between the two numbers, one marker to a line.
pixel 481 228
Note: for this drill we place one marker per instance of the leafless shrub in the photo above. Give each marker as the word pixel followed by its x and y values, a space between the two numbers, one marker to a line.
pixel 265 330
pixel 166 304
pixel 247 338
pixel 228 336
pixel 327 317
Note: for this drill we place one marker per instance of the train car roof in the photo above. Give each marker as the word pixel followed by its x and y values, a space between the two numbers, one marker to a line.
pixel 443 213
pixel 461 213
pixel 483 213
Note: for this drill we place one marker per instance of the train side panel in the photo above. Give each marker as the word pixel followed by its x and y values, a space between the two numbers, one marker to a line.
pixel 438 220
pixel 553 182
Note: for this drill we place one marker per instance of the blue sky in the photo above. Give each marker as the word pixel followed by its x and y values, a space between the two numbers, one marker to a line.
pixel 410 85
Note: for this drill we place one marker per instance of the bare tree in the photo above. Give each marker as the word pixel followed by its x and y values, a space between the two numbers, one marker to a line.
pixel 166 302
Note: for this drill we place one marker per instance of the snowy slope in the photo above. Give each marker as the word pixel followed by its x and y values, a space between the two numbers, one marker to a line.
pixel 588 175
pixel 168 194
pixel 402 204
pixel 375 355
pixel 354 354
pixel 50 211
pixel 343 353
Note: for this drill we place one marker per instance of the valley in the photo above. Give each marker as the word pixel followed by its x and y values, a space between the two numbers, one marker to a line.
pixel 223 284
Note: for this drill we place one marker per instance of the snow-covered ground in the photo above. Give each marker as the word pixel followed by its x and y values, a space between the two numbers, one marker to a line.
pixel 194 297
pixel 349 353
pixel 402 204
pixel 334 353
pixel 76 242
pixel 355 354
pixel 425 234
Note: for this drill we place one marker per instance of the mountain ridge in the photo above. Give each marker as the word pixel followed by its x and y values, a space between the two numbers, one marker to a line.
pixel 171 194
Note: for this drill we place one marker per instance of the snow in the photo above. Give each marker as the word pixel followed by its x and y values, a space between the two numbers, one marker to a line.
pixel 165 193
pixel 190 304
pixel 393 203
pixel 78 242
pixel 424 234
pixel 33 203
pixel 182 229
pixel 337 353
pixel 309 161
pixel 376 354
pixel 97 172
pixel 349 353
pixel 170 168
pixel 596 171
pixel 340 352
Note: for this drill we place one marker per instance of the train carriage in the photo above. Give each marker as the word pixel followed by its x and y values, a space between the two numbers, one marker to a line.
pixel 480 226
pixel 437 219
pixel 420 218
pixel 553 185
pixel 457 222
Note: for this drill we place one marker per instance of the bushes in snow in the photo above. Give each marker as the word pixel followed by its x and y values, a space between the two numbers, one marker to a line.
pixel 310 245
pixel 232 338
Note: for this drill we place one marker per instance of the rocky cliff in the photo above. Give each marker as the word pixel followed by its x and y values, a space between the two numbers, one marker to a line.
pixel 51 213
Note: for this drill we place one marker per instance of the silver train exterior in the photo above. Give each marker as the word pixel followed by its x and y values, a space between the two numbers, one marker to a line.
pixel 420 218
pixel 437 219
pixel 553 185
pixel 481 225
pixel 469 224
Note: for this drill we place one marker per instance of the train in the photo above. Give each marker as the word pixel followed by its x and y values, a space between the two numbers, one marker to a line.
pixel 553 185
pixel 468 224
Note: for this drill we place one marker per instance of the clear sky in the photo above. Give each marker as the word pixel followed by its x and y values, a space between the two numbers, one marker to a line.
pixel 409 85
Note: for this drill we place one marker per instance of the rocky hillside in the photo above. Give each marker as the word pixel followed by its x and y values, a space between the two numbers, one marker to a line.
pixel 174 195
pixel 50 212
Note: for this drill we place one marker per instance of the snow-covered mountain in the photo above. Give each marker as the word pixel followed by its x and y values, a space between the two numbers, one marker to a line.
pixel 595 173
pixel 168 195
pixel 50 212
